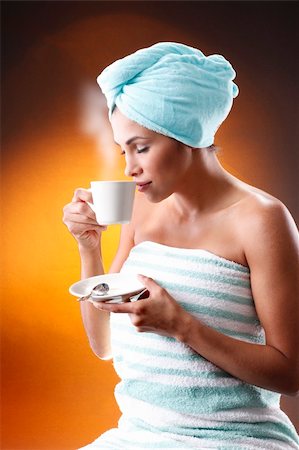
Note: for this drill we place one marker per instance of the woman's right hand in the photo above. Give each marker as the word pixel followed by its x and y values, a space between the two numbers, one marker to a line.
pixel 81 221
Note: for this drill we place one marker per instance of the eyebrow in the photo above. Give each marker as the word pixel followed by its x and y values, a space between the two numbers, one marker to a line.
pixel 129 141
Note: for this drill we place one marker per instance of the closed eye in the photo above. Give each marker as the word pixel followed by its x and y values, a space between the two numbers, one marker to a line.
pixel 138 150
pixel 143 149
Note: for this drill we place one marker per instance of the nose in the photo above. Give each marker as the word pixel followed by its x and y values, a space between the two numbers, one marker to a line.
pixel 132 167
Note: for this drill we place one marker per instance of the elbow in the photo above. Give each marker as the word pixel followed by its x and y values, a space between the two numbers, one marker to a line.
pixel 102 352
pixel 291 392
pixel 106 357
pixel 292 388
pixel 294 382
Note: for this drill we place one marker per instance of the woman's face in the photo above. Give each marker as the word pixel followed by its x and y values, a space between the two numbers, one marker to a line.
pixel 157 163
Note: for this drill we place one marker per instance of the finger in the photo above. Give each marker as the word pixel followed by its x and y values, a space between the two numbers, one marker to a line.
pixel 148 282
pixel 95 304
pixel 78 230
pixel 80 207
pixel 127 307
pixel 83 195
pixel 87 228
pixel 81 219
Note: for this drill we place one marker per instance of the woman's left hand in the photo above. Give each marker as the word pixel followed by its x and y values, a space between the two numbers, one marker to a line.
pixel 158 313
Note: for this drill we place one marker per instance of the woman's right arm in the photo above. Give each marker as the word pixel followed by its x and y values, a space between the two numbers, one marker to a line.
pixel 81 222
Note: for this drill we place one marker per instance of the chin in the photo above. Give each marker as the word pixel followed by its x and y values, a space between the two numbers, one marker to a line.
pixel 156 197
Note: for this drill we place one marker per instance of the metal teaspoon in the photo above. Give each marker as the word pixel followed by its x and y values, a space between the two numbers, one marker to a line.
pixel 99 290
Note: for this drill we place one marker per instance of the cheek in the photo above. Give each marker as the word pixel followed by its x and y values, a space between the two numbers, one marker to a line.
pixel 166 162
pixel 173 165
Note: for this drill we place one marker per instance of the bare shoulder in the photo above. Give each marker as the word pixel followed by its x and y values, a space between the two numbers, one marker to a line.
pixel 262 211
pixel 266 227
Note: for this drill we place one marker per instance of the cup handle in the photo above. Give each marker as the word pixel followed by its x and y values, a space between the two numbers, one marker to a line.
pixel 91 205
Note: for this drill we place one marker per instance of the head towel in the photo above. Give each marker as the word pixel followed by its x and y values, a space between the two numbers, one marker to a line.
pixel 172 89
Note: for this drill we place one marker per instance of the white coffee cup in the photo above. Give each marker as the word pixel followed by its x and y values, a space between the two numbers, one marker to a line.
pixel 112 201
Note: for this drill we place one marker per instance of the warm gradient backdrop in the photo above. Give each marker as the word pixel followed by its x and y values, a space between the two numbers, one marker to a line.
pixel 56 395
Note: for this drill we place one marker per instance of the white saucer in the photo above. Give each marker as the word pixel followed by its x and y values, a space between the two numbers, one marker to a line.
pixel 121 287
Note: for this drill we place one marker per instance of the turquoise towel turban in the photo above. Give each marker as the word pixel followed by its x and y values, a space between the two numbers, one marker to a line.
pixel 172 89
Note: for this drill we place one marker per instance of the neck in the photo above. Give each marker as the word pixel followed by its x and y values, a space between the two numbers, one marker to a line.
pixel 206 187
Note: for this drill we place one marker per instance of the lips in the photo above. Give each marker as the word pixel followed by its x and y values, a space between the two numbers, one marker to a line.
pixel 143 186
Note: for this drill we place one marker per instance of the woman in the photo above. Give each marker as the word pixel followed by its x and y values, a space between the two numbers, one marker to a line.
pixel 203 360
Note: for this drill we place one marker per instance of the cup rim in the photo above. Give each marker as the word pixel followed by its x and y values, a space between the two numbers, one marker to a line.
pixel 113 181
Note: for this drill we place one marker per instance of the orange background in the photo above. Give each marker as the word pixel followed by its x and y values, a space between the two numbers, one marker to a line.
pixel 56 394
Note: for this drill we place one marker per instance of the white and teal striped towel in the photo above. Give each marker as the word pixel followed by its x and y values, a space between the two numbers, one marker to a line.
pixel 172 398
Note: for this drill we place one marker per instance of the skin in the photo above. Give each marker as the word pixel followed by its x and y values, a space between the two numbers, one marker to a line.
pixel 193 202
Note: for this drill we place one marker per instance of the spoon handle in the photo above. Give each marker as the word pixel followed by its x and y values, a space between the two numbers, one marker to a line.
pixel 82 299
pixel 136 297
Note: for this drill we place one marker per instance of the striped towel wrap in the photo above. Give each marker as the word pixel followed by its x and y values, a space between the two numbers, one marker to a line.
pixel 170 397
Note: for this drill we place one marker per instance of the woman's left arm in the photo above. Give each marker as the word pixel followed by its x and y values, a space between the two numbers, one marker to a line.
pixel 272 251
pixel 270 242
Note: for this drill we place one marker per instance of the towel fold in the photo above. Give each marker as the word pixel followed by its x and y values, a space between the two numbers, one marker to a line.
pixel 172 89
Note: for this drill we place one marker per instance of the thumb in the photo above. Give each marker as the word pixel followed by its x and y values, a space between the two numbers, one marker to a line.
pixel 148 282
